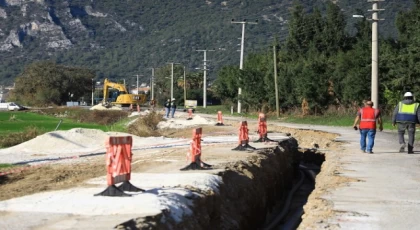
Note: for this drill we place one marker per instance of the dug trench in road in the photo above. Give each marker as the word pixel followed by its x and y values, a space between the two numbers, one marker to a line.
pixel 250 189
pixel 244 219
pixel 288 210
pixel 59 177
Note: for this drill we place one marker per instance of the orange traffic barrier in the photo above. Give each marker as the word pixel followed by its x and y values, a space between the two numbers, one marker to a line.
pixel 194 153
pixel 243 138
pixel 138 108
pixel 118 164
pixel 219 118
pixel 262 128
pixel 131 107
pixel 190 114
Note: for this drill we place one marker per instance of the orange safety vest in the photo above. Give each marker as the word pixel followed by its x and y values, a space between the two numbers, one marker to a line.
pixel 368 118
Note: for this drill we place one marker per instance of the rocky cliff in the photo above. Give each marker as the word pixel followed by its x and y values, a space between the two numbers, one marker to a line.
pixel 120 38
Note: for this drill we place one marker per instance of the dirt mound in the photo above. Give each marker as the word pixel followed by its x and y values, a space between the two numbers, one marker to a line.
pixel 66 141
pixel 101 107
pixel 69 143
pixel 180 123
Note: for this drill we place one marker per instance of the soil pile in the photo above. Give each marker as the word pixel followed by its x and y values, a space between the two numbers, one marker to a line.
pixel 180 123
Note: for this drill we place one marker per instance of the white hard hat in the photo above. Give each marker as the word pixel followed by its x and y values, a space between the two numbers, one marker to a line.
pixel 408 94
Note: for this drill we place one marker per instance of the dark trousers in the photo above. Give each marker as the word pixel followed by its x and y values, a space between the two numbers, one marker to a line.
pixel 411 130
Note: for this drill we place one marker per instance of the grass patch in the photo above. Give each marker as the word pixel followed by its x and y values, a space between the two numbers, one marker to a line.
pixel 18 127
pixel 16 138
pixel 331 120
pixel 5 166
pixel 21 120
pixel 213 109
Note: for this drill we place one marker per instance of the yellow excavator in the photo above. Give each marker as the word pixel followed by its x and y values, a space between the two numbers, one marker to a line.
pixel 121 97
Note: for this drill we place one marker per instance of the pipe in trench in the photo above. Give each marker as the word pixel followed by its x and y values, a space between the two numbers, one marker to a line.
pixel 276 221
pixel 294 221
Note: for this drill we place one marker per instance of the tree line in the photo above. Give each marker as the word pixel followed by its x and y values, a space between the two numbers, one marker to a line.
pixel 321 65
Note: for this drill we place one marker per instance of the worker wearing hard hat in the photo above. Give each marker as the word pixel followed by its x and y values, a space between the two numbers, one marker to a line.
pixel 406 115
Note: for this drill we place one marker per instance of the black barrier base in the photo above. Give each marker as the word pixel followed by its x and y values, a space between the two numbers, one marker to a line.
pixel 244 147
pixel 196 166
pixel 264 139
pixel 112 191
pixel 189 118
pixel 220 124
pixel 128 187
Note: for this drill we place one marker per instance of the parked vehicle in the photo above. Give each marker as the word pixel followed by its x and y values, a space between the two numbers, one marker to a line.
pixel 190 104
pixel 10 106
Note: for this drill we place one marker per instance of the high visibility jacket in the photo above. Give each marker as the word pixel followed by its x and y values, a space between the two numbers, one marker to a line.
pixel 407 112
pixel 368 118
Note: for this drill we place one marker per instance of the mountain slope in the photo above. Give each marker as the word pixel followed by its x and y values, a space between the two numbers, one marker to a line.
pixel 122 38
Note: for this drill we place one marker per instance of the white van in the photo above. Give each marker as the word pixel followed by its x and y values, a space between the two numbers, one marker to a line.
pixel 11 106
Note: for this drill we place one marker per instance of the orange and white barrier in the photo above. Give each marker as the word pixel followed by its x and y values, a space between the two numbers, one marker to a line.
pixel 118 165
pixel 219 118
pixel 262 128
pixel 194 153
pixel 138 108
pixel 243 138
pixel 190 114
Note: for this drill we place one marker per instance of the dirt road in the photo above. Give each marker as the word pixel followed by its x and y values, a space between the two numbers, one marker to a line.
pixel 353 191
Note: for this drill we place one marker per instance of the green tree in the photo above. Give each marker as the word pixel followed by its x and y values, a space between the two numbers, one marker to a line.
pixel 226 85
pixel 47 83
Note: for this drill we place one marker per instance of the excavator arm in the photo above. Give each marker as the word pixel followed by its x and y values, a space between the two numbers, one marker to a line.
pixel 124 98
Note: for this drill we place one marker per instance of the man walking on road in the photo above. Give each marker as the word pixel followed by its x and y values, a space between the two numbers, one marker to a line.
pixel 368 117
pixel 167 107
pixel 173 107
pixel 407 115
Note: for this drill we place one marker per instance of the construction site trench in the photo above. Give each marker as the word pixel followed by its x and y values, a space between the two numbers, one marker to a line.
pixel 255 188
pixel 254 193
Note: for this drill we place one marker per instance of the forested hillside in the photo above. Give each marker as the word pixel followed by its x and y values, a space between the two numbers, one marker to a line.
pixel 321 66
pixel 118 39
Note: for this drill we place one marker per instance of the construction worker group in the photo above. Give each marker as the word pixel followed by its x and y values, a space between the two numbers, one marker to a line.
pixel 405 117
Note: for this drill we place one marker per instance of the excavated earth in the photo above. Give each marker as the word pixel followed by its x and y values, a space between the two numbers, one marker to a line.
pixel 250 189
pixel 252 181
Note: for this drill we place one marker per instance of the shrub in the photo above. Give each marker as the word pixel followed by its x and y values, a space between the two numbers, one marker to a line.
pixel 146 126
pixel 101 117
pixel 20 137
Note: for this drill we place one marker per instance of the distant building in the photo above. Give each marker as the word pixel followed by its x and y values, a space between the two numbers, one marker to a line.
pixel 142 89
pixel 4 92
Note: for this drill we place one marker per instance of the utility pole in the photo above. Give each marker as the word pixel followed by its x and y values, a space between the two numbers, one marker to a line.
pixel 185 88
pixel 137 84
pixel 152 84
pixel 275 80
pixel 172 78
pixel 205 76
pixel 93 91
pixel 375 58
pixel 241 64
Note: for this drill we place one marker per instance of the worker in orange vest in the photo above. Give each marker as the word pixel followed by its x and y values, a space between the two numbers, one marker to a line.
pixel 368 117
